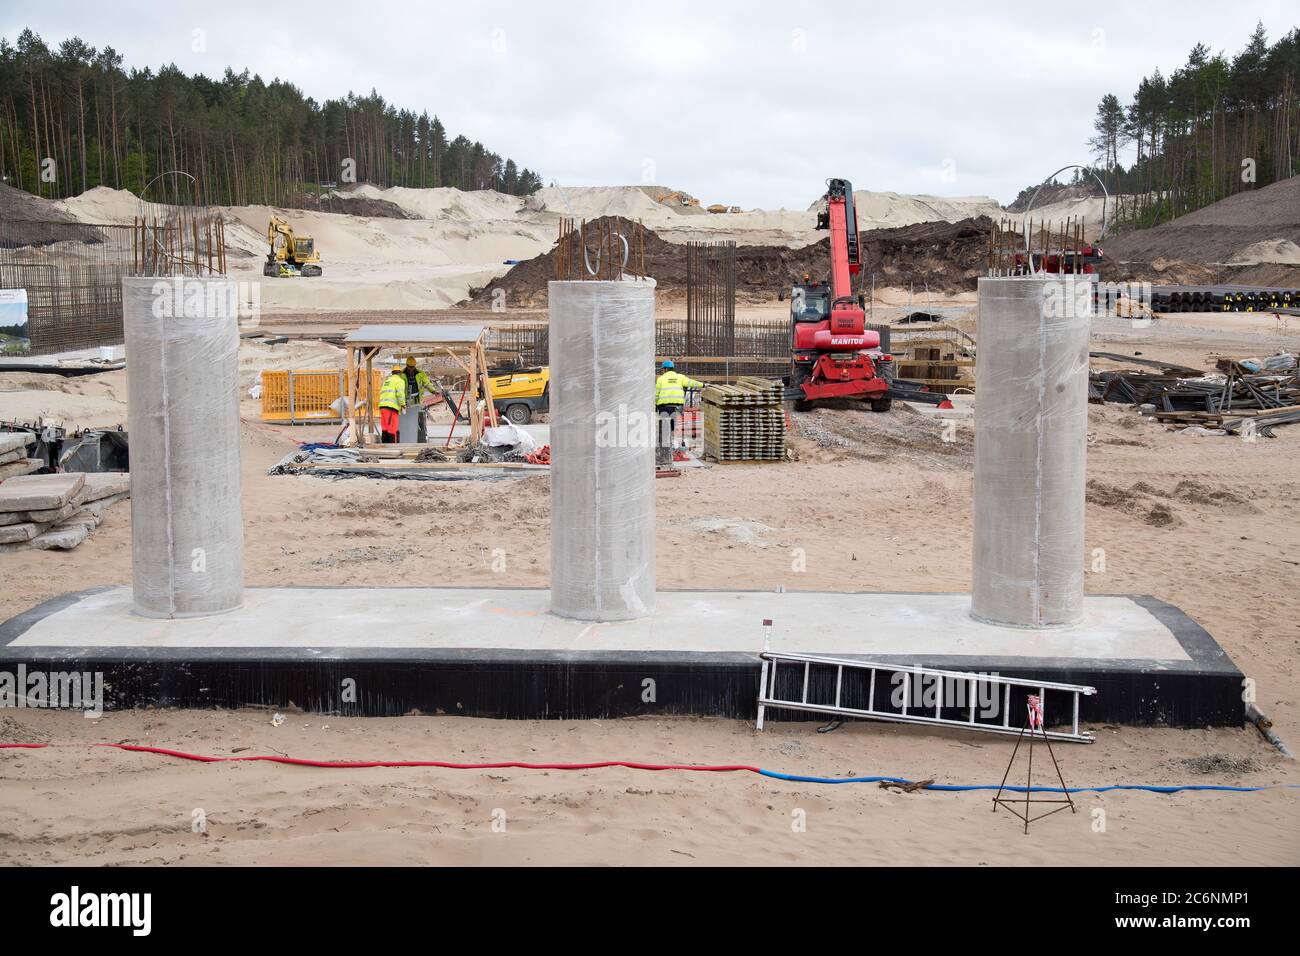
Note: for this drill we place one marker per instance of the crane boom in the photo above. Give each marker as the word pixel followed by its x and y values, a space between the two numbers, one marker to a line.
pixel 845 254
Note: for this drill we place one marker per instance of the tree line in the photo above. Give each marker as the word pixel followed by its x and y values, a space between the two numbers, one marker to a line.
pixel 74 118
pixel 1216 126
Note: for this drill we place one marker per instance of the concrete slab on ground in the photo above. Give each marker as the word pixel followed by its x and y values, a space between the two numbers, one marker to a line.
pixel 39 492
pixel 20 468
pixel 102 484
pixel 25 531
pixel 15 441
pixel 64 537
pixel 500 653
pixel 105 357
pixel 805 622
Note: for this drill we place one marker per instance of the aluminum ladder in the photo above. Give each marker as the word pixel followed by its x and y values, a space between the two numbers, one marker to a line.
pixel 767 694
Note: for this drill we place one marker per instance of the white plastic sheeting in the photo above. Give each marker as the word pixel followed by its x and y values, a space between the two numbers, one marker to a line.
pixel 187 538
pixel 508 433
pixel 602 449
pixel 1031 425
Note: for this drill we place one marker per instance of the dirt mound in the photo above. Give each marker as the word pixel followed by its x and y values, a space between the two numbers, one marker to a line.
pixel 1218 763
pixel 18 205
pixel 1230 230
pixel 350 205
pixel 938 256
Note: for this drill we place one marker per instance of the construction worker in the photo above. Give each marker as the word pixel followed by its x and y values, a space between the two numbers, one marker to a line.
pixel 392 402
pixel 417 384
pixel 670 396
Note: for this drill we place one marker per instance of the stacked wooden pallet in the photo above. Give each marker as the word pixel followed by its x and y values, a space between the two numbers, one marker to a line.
pixel 744 421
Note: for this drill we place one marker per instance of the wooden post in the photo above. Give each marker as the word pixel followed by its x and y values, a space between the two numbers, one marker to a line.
pixel 352 386
pixel 472 388
pixel 370 399
pixel 489 406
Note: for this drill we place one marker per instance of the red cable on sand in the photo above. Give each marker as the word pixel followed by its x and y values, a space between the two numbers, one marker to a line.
pixel 445 764
pixel 632 765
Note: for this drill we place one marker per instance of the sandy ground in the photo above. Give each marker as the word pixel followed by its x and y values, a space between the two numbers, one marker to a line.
pixel 88 806
pixel 1206 523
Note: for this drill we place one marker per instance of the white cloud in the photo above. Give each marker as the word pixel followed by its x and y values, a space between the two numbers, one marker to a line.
pixel 751 103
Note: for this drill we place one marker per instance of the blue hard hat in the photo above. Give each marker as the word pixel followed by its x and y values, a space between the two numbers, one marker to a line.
pixel 668 363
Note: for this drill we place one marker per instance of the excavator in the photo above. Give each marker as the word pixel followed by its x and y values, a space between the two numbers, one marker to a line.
pixel 290 255
pixel 833 353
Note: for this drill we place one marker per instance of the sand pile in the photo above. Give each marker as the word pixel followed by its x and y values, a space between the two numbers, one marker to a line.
pixel 890 210
pixel 592 202
pixel 1053 193
pixel 1087 208
pixel 444 203
pixel 102 204
pixel 76 402
pixel 1279 251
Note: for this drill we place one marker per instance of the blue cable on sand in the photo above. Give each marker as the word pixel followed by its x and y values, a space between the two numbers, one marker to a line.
pixel 959 787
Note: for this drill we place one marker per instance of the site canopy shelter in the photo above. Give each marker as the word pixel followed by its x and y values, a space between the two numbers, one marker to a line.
pixel 459 348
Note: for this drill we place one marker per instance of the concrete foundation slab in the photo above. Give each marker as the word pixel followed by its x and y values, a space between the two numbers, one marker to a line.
pixel 499 652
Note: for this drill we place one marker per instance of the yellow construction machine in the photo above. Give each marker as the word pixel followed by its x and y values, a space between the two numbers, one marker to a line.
pixel 518 393
pixel 290 255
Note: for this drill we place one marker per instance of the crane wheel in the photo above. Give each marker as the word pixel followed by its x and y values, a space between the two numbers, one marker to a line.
pixel 881 404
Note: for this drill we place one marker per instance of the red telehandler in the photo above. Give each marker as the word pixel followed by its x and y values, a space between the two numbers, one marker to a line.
pixel 834 354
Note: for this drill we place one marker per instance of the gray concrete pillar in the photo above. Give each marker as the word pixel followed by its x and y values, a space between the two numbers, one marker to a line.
pixel 182 359
pixel 1031 426
pixel 602 341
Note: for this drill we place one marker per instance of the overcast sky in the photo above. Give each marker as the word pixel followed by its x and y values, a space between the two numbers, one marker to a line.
pixel 747 103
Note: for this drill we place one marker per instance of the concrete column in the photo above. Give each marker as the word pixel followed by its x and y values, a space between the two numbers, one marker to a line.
pixel 602 449
pixel 1031 425
pixel 182 355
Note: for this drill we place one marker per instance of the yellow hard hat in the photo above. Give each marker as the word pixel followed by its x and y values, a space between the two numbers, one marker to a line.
pixel 410 361
pixel 397 367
